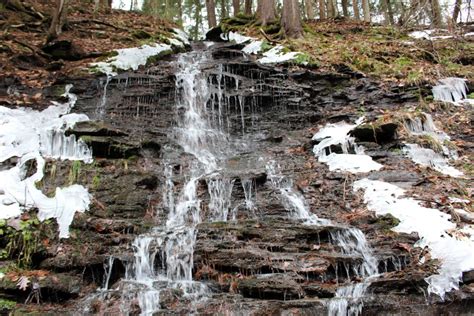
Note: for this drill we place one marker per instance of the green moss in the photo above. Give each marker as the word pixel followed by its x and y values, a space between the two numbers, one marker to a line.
pixel 96 182
pixel 7 304
pixel 140 34
pixel 154 59
pixel 387 221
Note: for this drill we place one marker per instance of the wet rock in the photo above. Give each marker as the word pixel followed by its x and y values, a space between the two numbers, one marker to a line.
pixel 214 34
pixel 94 128
pixel 378 133
pixel 468 277
pixel 274 286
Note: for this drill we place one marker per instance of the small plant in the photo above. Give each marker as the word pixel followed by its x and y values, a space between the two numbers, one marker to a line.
pixel 22 241
pixel 6 304
pixel 96 181
pixel 74 172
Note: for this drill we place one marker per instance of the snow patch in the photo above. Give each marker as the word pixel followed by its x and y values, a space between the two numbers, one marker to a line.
pixel 432 226
pixel 32 136
pixel 426 34
pixel 276 55
pixel 235 37
pixel 181 36
pixel 130 58
pixel 253 48
pixel 338 135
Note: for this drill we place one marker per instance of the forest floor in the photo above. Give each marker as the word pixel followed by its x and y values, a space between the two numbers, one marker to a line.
pixel 26 58
pixel 387 55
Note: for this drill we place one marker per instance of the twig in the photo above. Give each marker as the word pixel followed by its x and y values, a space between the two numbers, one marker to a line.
pixel 97 22
pixel 267 37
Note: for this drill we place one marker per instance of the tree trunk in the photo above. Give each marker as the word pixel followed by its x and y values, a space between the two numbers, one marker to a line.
pixel 248 7
pixel 211 13
pixel 331 13
pixel 236 6
pixel 180 13
pixel 345 11
pixel 291 19
pixel 223 9
pixel 266 11
pixel 197 18
pixel 457 9
pixel 309 9
pixel 59 18
pixel 355 7
pixel 390 12
pixel 436 13
pixel 366 10
pixel 322 10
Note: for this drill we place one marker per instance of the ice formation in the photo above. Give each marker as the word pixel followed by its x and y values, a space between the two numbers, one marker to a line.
pixel 424 126
pixel 452 90
pixel 338 135
pixel 30 136
pixel 429 158
pixel 432 226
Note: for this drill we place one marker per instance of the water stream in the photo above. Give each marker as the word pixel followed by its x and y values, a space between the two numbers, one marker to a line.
pixel 163 257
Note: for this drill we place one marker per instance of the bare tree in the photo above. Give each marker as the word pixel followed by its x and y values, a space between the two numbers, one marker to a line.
pixel 291 19
pixel 266 11
pixel 236 6
pixel 248 7
pixel 355 7
pixel 211 13
pixel 331 12
pixel 322 10
pixel 345 11
pixel 105 5
pixel 436 13
pixel 366 10
pixel 59 18
pixel 457 9
pixel 223 9
pixel 309 9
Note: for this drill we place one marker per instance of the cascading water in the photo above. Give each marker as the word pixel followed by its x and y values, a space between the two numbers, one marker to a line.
pixel 350 240
pixel 209 146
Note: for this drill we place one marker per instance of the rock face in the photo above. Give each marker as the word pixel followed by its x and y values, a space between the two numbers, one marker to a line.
pixel 263 261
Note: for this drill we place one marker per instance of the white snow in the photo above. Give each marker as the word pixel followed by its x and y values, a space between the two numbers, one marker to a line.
pixel 452 90
pixel 181 36
pixel 130 58
pixel 276 55
pixel 426 34
pixel 338 134
pixel 253 47
pixel 235 37
pixel 432 227
pixel 458 200
pixel 32 135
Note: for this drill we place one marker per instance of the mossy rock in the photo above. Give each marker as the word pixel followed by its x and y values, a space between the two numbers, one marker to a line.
pixel 141 35
pixel 380 133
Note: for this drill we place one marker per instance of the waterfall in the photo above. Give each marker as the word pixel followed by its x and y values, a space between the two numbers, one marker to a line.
pixel 350 240
pixel 209 145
